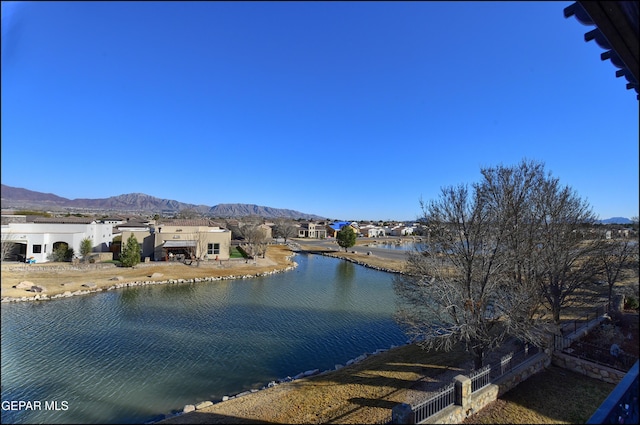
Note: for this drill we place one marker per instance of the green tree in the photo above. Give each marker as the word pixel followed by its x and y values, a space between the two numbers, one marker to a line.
pixel 62 252
pixel 346 237
pixel 85 247
pixel 130 255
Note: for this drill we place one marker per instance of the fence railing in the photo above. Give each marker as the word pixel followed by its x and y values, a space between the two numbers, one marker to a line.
pixel 574 325
pixel 480 378
pixel 603 356
pixel 511 361
pixel 444 398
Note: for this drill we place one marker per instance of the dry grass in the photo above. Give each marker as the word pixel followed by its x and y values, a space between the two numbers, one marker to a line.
pixel 555 396
pixel 362 393
pixel 59 281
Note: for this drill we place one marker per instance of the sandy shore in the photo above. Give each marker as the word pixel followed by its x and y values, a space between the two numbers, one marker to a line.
pixel 64 278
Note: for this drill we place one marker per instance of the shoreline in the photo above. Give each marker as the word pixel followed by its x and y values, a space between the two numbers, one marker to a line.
pixel 68 294
pixel 63 280
pixel 108 282
pixel 203 405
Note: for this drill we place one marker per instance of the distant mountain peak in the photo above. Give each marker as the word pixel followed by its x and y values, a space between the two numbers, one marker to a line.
pixel 616 220
pixel 19 198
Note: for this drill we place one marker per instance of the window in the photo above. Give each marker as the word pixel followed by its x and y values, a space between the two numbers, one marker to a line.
pixel 37 249
pixel 213 248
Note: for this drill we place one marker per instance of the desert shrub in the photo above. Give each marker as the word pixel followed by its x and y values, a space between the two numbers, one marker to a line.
pixel 630 303
pixel 61 253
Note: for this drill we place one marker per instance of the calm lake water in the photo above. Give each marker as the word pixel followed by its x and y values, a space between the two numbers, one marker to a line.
pixel 131 355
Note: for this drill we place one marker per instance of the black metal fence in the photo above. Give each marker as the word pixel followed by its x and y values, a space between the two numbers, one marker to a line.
pixel 574 325
pixel 444 398
pixel 511 361
pixel 604 356
pixel 480 378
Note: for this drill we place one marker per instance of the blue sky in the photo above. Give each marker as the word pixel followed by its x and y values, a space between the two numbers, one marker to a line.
pixel 348 110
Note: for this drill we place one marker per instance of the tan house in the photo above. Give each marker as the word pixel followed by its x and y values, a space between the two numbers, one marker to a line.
pixel 182 239
pixel 312 230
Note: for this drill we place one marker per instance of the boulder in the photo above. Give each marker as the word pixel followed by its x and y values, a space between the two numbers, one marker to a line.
pixel 122 278
pixel 188 408
pixel 89 285
pixel 38 288
pixel 203 404
pixel 312 372
pixel 25 284
pixel 156 274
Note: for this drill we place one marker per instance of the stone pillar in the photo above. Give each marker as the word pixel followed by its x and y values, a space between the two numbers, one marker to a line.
pixel 402 414
pixel 462 391
pixel 617 303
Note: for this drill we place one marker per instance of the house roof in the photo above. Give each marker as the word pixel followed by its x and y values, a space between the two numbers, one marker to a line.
pixel 338 225
pixel 64 220
pixel 616 32
pixel 188 222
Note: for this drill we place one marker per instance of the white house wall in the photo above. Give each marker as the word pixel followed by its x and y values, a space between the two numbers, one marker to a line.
pixel 46 234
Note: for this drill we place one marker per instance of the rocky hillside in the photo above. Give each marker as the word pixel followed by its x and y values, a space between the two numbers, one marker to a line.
pixel 19 198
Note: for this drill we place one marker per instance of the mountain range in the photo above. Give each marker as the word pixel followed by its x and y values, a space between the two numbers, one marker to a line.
pixel 23 199
pixel 616 220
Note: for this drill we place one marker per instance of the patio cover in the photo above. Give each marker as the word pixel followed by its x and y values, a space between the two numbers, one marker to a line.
pixel 179 244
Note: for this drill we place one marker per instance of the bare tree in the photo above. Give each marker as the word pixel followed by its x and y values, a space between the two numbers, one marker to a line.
pixel 6 245
pixel 616 257
pixel 455 288
pixel 200 246
pixel 477 280
pixel 255 238
pixel 284 228
pixel 565 256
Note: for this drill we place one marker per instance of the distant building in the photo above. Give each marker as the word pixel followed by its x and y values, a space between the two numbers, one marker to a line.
pixel 312 230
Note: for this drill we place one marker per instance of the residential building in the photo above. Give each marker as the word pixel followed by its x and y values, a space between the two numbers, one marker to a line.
pixel 310 229
pixel 36 240
pixel 176 239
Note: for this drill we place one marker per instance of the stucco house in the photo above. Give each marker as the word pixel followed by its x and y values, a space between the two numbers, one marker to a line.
pixel 310 229
pixel 371 231
pixel 38 239
pixel 177 239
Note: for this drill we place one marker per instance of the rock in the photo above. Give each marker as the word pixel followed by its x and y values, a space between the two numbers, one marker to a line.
pixel 312 372
pixel 203 404
pixel 38 288
pixel 122 278
pixel 154 275
pixel 25 284
pixel 89 285
pixel 188 408
pixel 299 376
pixel 225 398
